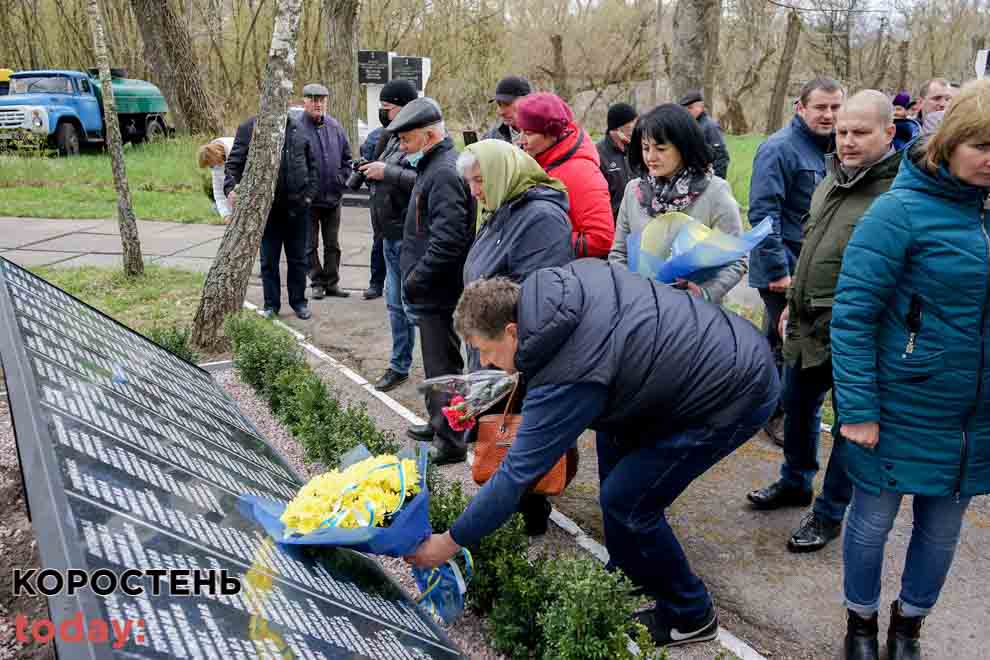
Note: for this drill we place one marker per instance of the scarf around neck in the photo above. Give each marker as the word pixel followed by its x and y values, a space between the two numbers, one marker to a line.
pixel 659 195
pixel 507 172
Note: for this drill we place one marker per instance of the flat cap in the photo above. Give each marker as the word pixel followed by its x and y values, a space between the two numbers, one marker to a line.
pixel 416 114
pixel 315 89
pixel 691 97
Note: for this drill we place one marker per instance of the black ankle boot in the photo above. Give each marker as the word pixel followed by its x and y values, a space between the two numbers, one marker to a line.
pixel 903 635
pixel 861 638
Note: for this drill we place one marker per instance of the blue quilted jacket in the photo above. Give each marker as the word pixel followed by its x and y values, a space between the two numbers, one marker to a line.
pixel 909 336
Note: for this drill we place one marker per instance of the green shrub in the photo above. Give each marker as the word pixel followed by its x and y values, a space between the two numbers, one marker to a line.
pixel 299 394
pixel 262 351
pixel 589 613
pixel 174 339
pixel 509 540
pixel 513 623
pixel 447 501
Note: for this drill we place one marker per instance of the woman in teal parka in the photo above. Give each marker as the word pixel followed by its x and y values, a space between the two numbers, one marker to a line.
pixel 911 361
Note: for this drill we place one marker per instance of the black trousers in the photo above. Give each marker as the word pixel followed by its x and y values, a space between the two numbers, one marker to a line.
pixel 441 348
pixel 377 264
pixel 327 221
pixel 775 303
pixel 287 227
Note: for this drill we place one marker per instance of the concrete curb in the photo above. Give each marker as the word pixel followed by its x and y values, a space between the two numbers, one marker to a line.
pixel 729 641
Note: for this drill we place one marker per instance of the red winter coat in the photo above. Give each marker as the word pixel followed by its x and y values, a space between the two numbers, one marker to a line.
pixel 587 191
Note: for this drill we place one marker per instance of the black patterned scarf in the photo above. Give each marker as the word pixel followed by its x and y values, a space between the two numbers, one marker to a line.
pixel 660 195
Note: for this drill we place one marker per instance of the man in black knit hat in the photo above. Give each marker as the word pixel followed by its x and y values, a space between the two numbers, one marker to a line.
pixel 612 152
pixel 391 180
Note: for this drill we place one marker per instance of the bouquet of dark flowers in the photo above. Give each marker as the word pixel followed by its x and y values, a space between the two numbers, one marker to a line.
pixel 472 394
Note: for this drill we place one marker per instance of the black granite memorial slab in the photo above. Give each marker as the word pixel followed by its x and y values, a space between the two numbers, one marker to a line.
pixel 372 67
pixel 408 68
pixel 133 460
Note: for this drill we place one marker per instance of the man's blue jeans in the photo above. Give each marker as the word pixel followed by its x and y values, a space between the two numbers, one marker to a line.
pixel 403 328
pixel 937 521
pixel 804 393
pixel 639 482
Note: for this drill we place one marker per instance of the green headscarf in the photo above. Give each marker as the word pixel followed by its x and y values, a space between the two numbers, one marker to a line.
pixel 507 172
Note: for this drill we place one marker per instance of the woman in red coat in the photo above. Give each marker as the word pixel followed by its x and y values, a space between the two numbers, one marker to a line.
pixel 566 152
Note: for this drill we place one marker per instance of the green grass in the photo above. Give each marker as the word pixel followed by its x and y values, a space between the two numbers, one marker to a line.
pixel 165 183
pixel 161 297
pixel 742 150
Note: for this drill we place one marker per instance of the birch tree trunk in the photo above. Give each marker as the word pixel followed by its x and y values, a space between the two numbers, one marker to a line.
pixel 226 283
pixel 775 117
pixel 131 244
pixel 341 68
pixel 169 50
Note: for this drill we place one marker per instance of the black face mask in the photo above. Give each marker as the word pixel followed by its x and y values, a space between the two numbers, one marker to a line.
pixel 383 117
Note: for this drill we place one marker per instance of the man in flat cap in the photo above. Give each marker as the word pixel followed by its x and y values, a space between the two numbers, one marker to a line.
pixel 508 91
pixel 694 102
pixel 438 231
pixel 391 180
pixel 333 158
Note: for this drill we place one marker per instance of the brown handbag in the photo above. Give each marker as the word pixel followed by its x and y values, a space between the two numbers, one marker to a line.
pixel 496 434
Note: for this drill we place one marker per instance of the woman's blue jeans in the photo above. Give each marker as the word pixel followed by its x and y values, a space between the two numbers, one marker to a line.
pixel 937 521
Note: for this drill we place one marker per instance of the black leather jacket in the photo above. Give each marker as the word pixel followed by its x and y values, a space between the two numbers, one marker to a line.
pixel 390 197
pixel 298 174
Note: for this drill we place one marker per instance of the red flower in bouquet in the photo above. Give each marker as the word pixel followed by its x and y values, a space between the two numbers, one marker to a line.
pixel 457 415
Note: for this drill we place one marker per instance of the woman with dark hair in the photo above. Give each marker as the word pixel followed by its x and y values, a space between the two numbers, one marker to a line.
pixel 674 166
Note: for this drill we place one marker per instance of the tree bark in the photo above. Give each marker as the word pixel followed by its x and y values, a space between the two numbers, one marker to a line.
pixel 561 86
pixel 713 24
pixel 775 117
pixel 131 244
pixel 226 283
pixel 904 61
pixel 168 47
pixel 656 58
pixel 342 75
pixel 690 50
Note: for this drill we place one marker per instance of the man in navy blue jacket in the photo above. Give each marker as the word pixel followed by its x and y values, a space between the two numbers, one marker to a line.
pixel 671 384
pixel 333 159
pixel 787 169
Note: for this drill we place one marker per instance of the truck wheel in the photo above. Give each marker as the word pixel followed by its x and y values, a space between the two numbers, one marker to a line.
pixel 67 139
pixel 154 131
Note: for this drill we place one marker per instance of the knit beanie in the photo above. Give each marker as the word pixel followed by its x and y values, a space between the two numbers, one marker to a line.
pixel 543 113
pixel 620 114
pixel 398 92
pixel 903 99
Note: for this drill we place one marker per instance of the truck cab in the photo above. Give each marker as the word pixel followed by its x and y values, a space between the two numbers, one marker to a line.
pixel 66 108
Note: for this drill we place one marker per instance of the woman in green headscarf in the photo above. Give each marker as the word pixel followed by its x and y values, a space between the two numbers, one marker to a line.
pixel 522 227
pixel 522 213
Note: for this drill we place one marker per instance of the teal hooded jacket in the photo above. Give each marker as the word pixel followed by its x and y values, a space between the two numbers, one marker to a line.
pixel 910 336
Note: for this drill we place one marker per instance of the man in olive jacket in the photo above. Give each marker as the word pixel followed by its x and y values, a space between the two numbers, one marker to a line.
pixel 863 168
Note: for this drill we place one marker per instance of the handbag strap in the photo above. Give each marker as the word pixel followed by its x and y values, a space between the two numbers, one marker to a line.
pixel 508 405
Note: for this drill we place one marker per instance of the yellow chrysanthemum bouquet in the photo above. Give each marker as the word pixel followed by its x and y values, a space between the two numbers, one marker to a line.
pixel 365 494
pixel 376 504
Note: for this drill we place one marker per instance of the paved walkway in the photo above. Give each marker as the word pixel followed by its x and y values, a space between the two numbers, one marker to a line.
pixel 785 605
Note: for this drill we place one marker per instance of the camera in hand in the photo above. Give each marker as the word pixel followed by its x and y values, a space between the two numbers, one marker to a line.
pixel 357 178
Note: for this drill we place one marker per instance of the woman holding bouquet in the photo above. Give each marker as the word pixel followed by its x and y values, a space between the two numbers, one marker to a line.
pixel 522 227
pixel 674 166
